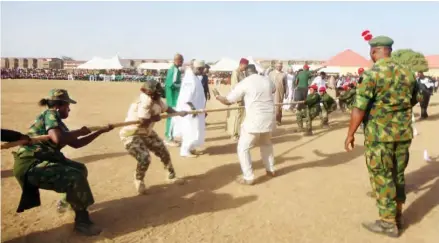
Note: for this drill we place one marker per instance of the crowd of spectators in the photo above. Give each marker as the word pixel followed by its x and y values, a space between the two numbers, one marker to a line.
pixel 130 75
pixel 58 74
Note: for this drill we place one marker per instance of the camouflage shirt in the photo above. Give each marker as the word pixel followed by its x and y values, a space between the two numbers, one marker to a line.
pixel 327 101
pixel 24 158
pixel 387 96
pixel 313 104
pixel 47 120
pixel 348 97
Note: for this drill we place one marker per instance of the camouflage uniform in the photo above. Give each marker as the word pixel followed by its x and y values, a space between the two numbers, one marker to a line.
pixel 138 147
pixel 312 110
pixel 139 140
pixel 42 165
pixel 347 98
pixel 328 105
pixel 387 95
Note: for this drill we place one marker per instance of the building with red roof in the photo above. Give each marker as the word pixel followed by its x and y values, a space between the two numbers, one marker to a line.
pixel 348 61
pixel 433 65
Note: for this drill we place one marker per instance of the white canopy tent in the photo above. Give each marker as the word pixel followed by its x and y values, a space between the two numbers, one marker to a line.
pixel 154 66
pixel 225 65
pixel 100 63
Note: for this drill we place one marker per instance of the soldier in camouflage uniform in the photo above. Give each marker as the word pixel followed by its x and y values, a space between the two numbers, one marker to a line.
pixel 140 139
pixel 347 98
pixel 384 104
pixel 311 111
pixel 327 106
pixel 43 166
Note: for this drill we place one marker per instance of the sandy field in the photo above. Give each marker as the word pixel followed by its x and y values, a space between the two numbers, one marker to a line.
pixel 318 196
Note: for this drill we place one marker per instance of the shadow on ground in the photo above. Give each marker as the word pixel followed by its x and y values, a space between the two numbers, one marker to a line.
pixel 84 159
pixel 169 203
pixel 424 204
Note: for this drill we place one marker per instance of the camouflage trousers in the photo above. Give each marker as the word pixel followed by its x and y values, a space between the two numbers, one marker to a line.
pixel 325 112
pixel 305 115
pixel 386 163
pixel 67 177
pixel 139 146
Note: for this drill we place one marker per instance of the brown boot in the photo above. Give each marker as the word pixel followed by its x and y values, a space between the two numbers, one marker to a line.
pixel 84 225
pixel 382 227
pixel 371 194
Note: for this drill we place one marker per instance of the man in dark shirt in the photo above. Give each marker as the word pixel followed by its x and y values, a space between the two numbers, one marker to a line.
pixel 302 83
pixel 205 83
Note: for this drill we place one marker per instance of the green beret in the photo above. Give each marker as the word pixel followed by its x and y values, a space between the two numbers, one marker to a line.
pixel 381 41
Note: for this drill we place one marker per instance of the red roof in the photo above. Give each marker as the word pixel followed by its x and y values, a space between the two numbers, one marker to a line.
pixel 348 58
pixel 433 61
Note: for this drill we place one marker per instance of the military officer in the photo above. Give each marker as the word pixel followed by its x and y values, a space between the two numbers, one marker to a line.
pixel 384 102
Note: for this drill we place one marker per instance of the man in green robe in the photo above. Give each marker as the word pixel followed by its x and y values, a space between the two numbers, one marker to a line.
pixel 172 90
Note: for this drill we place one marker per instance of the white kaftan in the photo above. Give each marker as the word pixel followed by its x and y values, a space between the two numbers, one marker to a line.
pixel 190 129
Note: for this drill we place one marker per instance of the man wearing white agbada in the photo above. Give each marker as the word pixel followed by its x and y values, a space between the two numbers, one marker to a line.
pixel 258 124
pixel 191 129
pixel 290 89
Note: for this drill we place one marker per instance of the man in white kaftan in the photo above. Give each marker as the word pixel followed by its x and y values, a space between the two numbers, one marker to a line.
pixel 191 129
pixel 258 124
pixel 290 89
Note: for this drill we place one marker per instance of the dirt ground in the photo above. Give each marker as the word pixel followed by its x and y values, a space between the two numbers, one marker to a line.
pixel 318 195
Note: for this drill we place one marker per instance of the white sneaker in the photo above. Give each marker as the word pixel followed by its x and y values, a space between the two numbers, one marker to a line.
pixel 189 155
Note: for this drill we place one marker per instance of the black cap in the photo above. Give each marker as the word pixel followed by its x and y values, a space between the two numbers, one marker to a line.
pixel 251 68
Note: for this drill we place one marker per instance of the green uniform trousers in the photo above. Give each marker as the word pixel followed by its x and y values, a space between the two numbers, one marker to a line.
pixel 386 163
pixel 325 112
pixel 67 177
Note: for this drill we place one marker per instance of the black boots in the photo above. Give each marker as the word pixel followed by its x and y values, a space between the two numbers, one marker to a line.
pixel 424 114
pixel 84 225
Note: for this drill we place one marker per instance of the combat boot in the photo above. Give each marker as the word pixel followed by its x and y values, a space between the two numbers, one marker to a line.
pixel 84 225
pixel 139 185
pixel 382 227
pixel 371 194
pixel 62 206
pixel 172 177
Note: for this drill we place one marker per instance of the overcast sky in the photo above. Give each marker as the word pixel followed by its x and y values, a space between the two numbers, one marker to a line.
pixel 211 30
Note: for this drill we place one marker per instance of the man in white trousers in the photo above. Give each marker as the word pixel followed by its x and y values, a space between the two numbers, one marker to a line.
pixel 257 92
pixel 191 129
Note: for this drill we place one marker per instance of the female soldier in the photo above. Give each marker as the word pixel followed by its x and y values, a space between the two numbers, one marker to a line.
pixel 43 166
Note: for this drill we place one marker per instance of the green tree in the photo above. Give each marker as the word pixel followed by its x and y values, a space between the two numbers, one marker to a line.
pixel 411 59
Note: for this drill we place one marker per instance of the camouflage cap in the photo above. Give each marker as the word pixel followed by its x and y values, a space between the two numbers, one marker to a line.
pixel 61 95
pixel 150 85
pixel 381 41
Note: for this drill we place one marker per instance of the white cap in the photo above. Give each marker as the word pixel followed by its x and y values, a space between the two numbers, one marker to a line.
pixel 199 63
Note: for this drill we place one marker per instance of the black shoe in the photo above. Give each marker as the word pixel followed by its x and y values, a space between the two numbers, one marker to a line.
pixel 84 225
pixel 382 227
